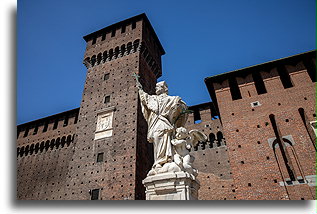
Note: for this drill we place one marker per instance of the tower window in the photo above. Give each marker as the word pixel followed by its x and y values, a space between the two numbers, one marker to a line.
pixel 95 194
pixel 100 157
pixel 107 99
pixel 106 77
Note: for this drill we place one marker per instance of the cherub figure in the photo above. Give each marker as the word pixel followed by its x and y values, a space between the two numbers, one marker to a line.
pixel 182 143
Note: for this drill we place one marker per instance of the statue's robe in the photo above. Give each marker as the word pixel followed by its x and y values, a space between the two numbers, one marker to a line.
pixel 163 114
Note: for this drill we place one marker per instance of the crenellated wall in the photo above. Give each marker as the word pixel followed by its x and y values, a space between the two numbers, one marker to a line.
pixel 261 128
pixel 266 112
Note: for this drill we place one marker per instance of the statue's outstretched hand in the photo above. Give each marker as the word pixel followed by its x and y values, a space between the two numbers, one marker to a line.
pixel 138 84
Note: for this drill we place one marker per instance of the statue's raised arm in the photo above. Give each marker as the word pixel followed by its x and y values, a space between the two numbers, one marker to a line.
pixel 163 114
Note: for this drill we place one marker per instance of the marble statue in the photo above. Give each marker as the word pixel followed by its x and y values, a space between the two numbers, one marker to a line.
pixel 166 116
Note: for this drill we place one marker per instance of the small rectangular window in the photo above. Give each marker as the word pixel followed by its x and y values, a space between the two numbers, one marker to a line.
pixel 106 77
pixel 254 104
pixel 95 194
pixel 100 157
pixel 107 99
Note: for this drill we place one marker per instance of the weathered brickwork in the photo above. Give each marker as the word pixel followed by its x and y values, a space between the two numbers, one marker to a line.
pixel 211 157
pixel 261 142
pixel 262 167
pixel 44 148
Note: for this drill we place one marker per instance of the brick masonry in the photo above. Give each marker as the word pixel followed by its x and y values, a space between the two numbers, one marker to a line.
pixel 58 157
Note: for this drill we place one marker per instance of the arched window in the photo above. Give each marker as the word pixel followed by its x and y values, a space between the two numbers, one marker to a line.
pixel 58 142
pixel 202 145
pixel 22 151
pixel 116 52
pixel 283 160
pixel 52 144
pixel 42 146
pixel 27 149
pixel 31 149
pixel 219 138
pixel 36 149
pixel 104 56
pixel 99 58
pixel 68 140
pixel 110 54
pixel 212 139
pixel 93 60
pixel 129 47
pixel 122 50
pixel 87 63
pixel 136 45
pixel 281 153
pixel 47 145
pixel 63 141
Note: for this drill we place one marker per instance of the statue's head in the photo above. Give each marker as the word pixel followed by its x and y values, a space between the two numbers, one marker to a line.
pixel 181 133
pixel 161 88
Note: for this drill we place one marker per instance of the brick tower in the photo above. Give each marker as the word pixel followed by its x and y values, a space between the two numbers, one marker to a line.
pixel 111 155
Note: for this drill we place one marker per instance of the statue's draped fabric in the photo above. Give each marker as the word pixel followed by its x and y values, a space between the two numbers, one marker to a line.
pixel 163 114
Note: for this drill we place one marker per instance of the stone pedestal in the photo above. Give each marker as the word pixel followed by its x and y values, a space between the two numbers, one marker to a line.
pixel 171 186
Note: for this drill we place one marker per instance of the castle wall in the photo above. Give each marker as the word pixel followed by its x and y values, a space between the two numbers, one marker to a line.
pixel 44 149
pixel 271 150
pixel 211 157
pixel 260 128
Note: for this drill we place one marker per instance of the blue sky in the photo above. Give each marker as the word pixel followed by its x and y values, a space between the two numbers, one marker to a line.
pixel 201 39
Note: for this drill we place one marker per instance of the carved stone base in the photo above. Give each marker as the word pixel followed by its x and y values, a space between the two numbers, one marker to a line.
pixel 171 186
